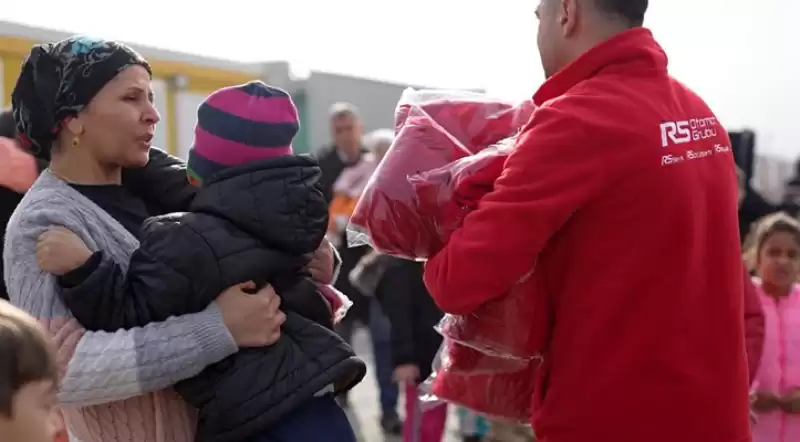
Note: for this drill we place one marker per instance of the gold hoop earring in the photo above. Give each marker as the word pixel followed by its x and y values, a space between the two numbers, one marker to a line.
pixel 75 142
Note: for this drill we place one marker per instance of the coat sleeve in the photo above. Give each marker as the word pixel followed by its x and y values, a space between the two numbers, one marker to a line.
pixel 554 170
pixel 163 181
pixel 172 273
pixel 753 326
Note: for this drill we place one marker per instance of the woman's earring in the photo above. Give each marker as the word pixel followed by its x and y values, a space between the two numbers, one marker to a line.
pixel 75 142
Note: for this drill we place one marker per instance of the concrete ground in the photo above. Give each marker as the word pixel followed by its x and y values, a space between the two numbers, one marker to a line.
pixel 365 411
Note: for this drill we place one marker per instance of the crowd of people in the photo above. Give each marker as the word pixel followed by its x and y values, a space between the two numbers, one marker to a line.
pixel 152 299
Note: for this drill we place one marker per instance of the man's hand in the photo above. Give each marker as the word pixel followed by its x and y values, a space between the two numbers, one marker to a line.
pixel 322 262
pixel 254 320
pixel 790 402
pixel 765 402
pixel 407 374
pixel 59 251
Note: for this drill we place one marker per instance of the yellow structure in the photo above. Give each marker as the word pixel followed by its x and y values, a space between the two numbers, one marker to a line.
pixel 179 73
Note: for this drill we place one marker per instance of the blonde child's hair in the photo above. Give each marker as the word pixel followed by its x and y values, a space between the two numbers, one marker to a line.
pixel 778 222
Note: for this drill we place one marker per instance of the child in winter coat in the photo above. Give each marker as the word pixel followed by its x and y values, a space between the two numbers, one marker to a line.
pixel 397 285
pixel 776 256
pixel 258 214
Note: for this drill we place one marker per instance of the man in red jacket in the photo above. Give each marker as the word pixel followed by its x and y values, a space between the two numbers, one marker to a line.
pixel 620 201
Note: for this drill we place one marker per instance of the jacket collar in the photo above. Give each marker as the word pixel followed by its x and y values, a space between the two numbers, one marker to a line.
pixel 635 49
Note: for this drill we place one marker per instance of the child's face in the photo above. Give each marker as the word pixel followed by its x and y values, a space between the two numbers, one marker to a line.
pixel 35 416
pixel 779 260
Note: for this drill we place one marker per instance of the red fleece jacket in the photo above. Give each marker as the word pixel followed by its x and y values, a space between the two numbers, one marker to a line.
pixel 621 192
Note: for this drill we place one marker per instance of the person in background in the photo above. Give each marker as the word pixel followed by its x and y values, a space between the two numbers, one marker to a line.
pixel 775 254
pixel 346 152
pixel 791 194
pixel 28 379
pixel 625 230
pixel 397 285
pixel 18 171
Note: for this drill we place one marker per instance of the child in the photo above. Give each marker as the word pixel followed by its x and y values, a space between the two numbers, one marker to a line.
pixel 775 253
pixel 257 216
pixel 397 285
pixel 28 379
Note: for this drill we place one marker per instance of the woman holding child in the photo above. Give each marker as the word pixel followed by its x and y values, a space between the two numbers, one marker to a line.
pixel 87 106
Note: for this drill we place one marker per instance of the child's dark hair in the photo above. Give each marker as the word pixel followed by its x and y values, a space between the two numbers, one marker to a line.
pixel 765 227
pixel 26 354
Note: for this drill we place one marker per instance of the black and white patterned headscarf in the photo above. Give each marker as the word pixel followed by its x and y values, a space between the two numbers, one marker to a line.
pixel 58 80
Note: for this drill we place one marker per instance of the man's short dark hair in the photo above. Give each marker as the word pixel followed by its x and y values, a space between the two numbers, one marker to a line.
pixel 26 355
pixel 631 11
pixel 8 127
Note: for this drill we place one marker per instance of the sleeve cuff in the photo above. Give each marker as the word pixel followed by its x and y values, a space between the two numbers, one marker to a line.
pixel 213 337
pixel 82 273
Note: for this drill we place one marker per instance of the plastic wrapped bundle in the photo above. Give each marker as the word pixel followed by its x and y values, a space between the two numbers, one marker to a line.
pixel 433 129
pixel 503 396
pixel 339 302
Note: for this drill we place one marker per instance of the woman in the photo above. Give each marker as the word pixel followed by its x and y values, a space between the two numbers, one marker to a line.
pixel 87 105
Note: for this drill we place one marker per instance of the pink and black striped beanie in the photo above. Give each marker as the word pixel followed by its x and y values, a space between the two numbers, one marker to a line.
pixel 239 124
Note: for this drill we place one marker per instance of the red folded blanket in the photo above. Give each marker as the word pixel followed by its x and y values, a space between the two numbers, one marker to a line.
pixel 444 159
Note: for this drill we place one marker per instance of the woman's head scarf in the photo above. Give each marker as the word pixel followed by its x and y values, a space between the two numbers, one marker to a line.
pixel 58 80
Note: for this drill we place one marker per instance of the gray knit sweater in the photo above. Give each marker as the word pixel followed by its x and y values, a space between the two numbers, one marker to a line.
pixel 115 385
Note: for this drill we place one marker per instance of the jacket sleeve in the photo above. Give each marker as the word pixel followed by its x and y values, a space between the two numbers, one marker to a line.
pixel 102 367
pixel 163 181
pixel 753 326
pixel 554 170
pixel 172 273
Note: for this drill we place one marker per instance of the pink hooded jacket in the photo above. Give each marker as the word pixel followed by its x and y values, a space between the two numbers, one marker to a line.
pixel 779 371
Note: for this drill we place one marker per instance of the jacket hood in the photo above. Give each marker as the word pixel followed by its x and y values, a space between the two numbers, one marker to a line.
pixel 278 200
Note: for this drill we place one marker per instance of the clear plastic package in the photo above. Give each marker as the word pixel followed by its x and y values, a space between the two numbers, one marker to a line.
pixel 340 303
pixel 505 396
pixel 449 150
pixel 433 129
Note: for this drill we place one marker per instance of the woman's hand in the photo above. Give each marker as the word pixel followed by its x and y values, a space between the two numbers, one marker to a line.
pixel 765 402
pixel 322 263
pixel 59 251
pixel 254 320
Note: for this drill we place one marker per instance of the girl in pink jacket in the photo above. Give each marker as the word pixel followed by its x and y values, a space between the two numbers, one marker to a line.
pixel 776 254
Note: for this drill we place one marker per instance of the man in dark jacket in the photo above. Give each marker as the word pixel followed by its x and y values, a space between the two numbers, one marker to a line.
pixel 347 151
pixel 18 170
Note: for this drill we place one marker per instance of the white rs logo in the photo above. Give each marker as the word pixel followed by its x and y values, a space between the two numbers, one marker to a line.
pixel 675 132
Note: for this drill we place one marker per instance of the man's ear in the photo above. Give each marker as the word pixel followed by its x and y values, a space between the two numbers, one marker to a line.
pixel 568 16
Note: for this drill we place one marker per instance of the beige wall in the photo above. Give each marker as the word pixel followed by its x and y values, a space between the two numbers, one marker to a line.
pixel 186 104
